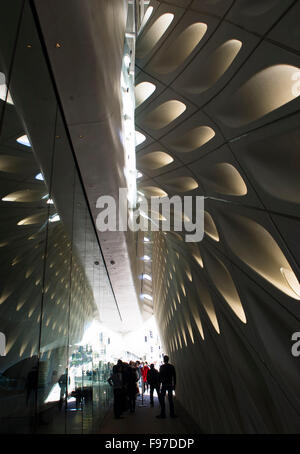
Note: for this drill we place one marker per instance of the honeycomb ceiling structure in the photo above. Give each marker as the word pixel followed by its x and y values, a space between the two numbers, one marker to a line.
pixel 218 110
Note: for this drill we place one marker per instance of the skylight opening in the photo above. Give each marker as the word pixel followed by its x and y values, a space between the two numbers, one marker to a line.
pixel 23 140
pixel 54 218
pixel 147 297
pixel 139 138
pixel 39 176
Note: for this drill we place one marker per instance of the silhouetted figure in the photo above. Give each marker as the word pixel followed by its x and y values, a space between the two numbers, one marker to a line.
pixel 63 383
pixel 31 383
pixel 153 381
pixel 116 380
pixel 132 387
pixel 77 393
pixel 167 378
pixel 139 371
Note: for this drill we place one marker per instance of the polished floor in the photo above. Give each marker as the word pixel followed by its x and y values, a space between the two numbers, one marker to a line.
pixel 144 420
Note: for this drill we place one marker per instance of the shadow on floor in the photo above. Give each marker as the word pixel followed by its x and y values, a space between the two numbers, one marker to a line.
pixel 144 420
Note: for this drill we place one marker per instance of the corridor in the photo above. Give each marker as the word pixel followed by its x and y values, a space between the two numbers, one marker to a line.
pixel 144 420
pixel 150 207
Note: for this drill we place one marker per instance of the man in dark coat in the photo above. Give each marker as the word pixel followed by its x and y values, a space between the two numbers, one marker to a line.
pixel 132 386
pixel 167 378
pixel 153 381
pixel 118 381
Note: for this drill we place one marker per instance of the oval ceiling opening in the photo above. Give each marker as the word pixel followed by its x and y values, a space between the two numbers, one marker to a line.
pixel 266 91
pixel 193 139
pixel 215 66
pixel 223 178
pixel 143 91
pixel 255 246
pixel 210 227
pixel 154 160
pixel 153 35
pixel 182 184
pixel 172 56
pixel 164 114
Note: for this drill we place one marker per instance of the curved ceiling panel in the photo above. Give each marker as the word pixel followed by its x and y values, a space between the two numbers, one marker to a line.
pixel 257 7
pixel 139 138
pixel 263 93
pixel 181 184
pixel 198 259
pixel 215 66
pixel 164 114
pixel 14 164
pixel 34 219
pixel 154 160
pixel 244 70
pixel 255 246
pixel 276 159
pixel 195 252
pixel 153 191
pixel 196 316
pixel 173 55
pixel 25 195
pixel 193 139
pixel 224 179
pixel 210 227
pixel 223 281
pixel 207 303
pixel 146 17
pixel 143 91
pixel 151 37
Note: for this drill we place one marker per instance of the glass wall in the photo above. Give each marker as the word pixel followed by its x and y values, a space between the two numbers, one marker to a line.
pixel 53 280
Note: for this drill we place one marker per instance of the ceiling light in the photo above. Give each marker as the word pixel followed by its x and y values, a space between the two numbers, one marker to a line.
pixel 4 92
pixel 146 296
pixel 54 218
pixel 139 138
pixel 23 140
pixel 39 176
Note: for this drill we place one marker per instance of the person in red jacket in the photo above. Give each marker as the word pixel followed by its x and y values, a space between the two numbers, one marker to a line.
pixel 144 376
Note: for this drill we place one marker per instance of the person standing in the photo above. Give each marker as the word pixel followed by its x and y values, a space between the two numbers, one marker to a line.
pixel 167 378
pixel 144 375
pixel 116 380
pixel 153 381
pixel 132 386
pixel 31 385
pixel 139 372
pixel 64 381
